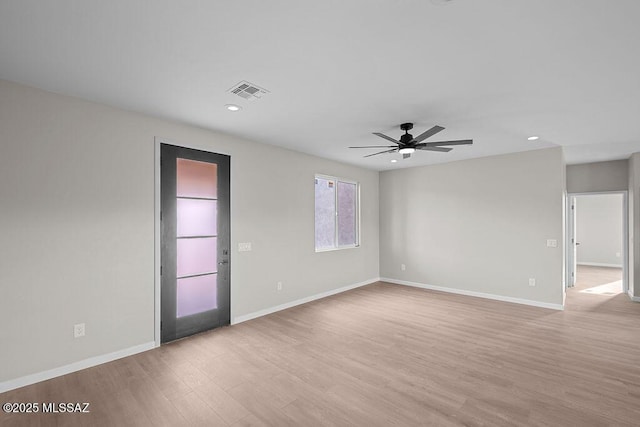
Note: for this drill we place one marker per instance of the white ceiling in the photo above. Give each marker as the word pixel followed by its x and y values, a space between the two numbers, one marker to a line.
pixel 496 71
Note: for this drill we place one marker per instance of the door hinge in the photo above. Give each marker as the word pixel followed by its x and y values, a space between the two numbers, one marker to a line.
pixel 161 270
pixel 161 325
pixel 161 214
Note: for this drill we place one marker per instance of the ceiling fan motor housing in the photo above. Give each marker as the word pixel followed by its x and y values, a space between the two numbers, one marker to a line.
pixel 406 138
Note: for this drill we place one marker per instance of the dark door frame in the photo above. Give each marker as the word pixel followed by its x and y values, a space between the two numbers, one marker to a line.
pixel 158 231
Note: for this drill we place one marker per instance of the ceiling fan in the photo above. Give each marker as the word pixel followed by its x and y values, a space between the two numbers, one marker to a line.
pixel 408 144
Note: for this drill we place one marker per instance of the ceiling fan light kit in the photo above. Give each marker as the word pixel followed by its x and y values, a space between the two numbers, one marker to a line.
pixel 407 150
pixel 408 145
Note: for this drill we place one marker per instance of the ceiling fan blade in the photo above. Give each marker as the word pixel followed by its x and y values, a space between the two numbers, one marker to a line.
pixel 442 149
pixel 406 155
pixel 375 146
pixel 455 142
pixel 427 134
pixel 388 138
pixel 382 152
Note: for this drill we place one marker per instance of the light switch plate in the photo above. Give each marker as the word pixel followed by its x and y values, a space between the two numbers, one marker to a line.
pixel 244 247
pixel 552 243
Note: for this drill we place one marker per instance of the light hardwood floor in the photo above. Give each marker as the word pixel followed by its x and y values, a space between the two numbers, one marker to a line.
pixel 588 276
pixel 379 355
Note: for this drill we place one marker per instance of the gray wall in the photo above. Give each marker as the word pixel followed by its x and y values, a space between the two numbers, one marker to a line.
pixel 477 225
pixel 77 227
pixel 599 229
pixel 601 176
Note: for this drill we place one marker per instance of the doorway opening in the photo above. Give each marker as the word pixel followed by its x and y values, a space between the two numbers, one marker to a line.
pixel 597 249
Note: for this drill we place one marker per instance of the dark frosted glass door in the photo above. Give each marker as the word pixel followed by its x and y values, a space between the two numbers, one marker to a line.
pixel 195 241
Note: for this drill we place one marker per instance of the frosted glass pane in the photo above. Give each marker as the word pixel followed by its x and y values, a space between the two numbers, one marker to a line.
pixel 196 179
pixel 197 217
pixel 325 214
pixel 196 256
pixel 196 294
pixel 347 197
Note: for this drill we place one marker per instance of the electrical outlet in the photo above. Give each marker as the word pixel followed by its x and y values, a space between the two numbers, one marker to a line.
pixel 532 281
pixel 403 267
pixel 279 286
pixel 78 330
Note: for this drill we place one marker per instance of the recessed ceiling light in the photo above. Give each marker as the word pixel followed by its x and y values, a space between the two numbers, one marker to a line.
pixel 407 150
pixel 533 138
pixel 393 161
pixel 233 107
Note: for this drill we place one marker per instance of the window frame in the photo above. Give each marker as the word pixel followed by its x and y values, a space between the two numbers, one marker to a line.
pixel 338 247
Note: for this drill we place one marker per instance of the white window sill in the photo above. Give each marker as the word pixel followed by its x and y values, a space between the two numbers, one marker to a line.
pixel 338 248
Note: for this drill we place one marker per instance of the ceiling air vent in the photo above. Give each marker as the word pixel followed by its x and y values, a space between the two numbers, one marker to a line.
pixel 248 91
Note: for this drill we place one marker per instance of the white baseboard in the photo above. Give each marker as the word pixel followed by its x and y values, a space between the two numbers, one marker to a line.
pixel 260 313
pixel 475 294
pixel 632 297
pixel 73 367
pixel 600 264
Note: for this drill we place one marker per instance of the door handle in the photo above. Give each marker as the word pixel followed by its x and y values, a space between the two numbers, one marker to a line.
pixel 223 262
pixel 577 243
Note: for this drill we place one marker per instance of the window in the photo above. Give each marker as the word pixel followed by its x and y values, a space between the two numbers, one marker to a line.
pixel 337 213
